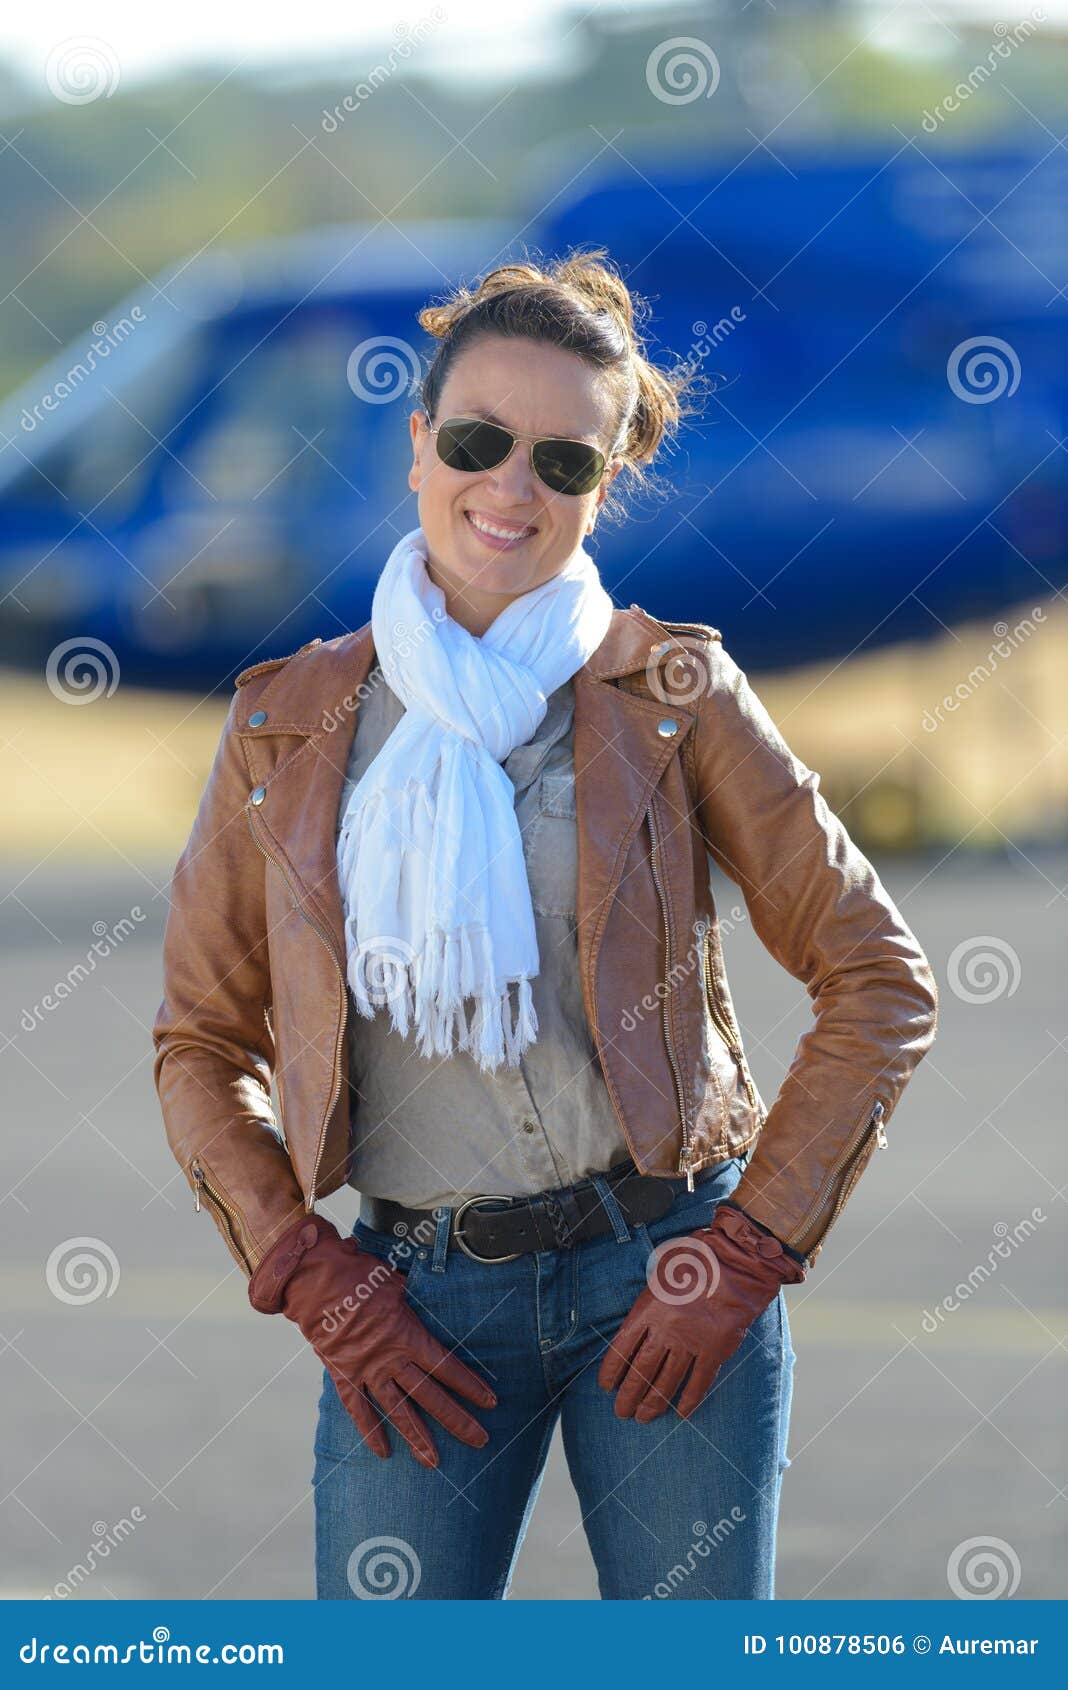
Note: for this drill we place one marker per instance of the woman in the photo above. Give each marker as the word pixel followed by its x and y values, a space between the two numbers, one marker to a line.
pixel 448 885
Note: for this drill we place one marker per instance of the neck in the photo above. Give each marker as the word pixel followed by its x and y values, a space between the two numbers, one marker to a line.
pixel 472 607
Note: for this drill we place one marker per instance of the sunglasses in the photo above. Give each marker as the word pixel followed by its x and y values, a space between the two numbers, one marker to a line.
pixel 472 445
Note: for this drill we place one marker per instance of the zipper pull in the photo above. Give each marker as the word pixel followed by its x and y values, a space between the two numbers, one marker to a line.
pixel 198 1175
pixel 684 1167
pixel 880 1131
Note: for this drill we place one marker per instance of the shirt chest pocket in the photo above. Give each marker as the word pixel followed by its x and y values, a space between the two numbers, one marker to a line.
pixel 551 845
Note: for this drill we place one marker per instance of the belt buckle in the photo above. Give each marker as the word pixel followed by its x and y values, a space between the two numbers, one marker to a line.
pixel 473 1203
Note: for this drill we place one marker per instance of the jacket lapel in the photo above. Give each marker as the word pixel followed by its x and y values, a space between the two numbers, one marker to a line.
pixel 312 709
pixel 620 755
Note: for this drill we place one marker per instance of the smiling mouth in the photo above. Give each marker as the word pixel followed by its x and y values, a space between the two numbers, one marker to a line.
pixel 502 533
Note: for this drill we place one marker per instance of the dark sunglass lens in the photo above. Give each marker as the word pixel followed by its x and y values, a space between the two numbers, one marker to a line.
pixel 568 466
pixel 472 446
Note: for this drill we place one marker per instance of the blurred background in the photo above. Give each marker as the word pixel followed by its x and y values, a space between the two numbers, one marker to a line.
pixel 851 218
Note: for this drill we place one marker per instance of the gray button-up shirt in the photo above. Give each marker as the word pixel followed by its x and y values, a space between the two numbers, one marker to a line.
pixel 430 1131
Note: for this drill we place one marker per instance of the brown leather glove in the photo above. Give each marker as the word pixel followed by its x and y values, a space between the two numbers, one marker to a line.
pixel 350 1306
pixel 704 1291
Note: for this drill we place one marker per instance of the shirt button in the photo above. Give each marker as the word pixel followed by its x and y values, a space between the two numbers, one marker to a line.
pixel 257 719
pixel 530 1126
pixel 259 794
pixel 667 728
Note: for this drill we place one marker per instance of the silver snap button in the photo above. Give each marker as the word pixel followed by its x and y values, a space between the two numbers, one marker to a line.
pixel 667 727
pixel 257 719
pixel 259 793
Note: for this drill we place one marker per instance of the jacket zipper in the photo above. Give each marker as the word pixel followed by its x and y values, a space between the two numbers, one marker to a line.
pixel 718 1014
pixel 837 1181
pixel 235 1220
pixel 314 925
pixel 654 860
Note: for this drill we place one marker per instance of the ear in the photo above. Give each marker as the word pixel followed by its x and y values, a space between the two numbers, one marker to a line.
pixel 602 493
pixel 418 425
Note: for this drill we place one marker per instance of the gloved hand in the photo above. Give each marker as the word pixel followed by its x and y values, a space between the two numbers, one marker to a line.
pixel 704 1291
pixel 350 1306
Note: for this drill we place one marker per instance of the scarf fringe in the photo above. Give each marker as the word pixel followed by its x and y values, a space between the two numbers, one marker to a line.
pixel 430 990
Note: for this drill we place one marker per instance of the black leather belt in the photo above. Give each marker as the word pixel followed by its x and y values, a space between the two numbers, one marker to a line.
pixel 498 1229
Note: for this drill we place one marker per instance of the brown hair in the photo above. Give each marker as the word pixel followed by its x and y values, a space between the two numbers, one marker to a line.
pixel 582 304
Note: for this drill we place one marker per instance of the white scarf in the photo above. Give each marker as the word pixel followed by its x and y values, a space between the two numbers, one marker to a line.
pixel 430 860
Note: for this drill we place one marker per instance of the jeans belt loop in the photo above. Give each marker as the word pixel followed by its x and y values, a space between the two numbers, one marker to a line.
pixel 612 1209
pixel 439 1259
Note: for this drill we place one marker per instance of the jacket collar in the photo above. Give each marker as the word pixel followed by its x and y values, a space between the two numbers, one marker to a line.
pixel 306 693
pixel 314 697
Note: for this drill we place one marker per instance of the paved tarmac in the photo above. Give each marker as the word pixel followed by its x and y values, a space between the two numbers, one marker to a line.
pixel 170 1424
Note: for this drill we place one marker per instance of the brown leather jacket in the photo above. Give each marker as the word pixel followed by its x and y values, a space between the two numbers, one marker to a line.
pixel 675 757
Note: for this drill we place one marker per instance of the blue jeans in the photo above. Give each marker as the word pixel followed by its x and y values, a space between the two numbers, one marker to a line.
pixel 673 1508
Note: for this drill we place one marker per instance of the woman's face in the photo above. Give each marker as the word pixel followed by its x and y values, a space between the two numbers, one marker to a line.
pixel 534 390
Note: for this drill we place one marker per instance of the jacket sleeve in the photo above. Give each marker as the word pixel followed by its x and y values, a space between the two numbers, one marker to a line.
pixel 819 907
pixel 212 1036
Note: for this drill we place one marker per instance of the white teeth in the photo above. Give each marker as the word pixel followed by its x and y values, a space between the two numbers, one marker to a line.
pixel 498 533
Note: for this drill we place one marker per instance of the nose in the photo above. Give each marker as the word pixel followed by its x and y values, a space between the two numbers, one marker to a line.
pixel 514 480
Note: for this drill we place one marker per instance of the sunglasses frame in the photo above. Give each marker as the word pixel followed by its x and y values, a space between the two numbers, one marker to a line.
pixel 532 441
